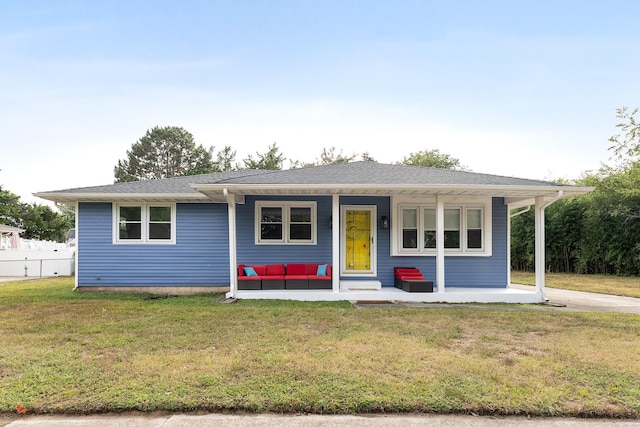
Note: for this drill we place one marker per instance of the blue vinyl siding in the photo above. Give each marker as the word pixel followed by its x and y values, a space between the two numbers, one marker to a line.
pixel 250 253
pixel 200 256
pixel 485 272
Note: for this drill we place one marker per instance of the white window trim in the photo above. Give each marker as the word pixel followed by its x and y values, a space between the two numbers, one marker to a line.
pixel 286 208
pixel 487 215
pixel 144 239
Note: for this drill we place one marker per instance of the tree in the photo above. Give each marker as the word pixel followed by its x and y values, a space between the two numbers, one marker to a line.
pixel 597 233
pixel 39 221
pixel 271 160
pixel 329 157
pixel 626 146
pixel 433 159
pixel 367 158
pixel 164 152
pixel 43 223
pixel 225 160
pixel 9 208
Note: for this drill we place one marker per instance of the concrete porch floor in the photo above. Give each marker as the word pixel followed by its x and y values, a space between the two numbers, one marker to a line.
pixel 451 295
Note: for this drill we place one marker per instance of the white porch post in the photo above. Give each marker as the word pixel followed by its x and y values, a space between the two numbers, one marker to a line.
pixel 335 242
pixel 540 246
pixel 233 260
pixel 440 244
pixel 77 222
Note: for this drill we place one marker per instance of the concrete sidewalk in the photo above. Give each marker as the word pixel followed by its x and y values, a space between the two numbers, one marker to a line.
pixel 218 420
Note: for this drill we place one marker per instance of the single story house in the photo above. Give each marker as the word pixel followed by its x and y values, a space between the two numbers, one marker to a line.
pixel 363 219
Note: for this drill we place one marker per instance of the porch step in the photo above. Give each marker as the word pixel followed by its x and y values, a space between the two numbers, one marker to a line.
pixel 360 285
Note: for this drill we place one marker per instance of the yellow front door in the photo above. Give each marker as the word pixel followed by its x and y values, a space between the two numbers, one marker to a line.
pixel 358 241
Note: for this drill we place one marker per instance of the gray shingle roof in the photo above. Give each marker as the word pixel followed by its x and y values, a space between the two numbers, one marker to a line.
pixel 376 173
pixel 366 174
pixel 181 184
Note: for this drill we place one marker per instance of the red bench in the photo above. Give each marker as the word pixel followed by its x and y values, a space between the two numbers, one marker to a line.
pixel 281 276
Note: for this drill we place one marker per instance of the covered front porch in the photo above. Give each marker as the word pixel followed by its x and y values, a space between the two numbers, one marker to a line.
pixel 444 291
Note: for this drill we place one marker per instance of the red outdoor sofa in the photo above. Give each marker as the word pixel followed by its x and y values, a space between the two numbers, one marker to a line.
pixel 284 276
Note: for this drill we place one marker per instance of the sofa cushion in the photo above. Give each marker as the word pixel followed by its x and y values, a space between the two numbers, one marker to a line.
pixel 310 269
pixel 275 270
pixel 319 277
pixel 249 278
pixel 322 270
pixel 260 269
pixel 401 271
pixel 296 277
pixel 250 272
pixel 240 270
pixel 295 269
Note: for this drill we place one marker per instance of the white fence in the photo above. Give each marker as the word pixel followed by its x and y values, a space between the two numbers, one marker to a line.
pixel 45 262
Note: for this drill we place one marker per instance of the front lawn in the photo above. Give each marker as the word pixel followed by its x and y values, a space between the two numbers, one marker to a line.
pixel 599 283
pixel 62 351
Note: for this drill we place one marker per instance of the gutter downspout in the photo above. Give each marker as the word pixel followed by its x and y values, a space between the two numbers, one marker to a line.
pixel 233 280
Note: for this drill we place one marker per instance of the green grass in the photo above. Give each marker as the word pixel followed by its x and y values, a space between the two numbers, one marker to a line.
pixel 66 352
pixel 602 284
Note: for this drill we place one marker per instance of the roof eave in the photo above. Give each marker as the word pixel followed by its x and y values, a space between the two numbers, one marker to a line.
pixel 63 197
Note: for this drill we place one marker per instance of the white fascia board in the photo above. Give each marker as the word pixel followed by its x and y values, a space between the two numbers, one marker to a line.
pixel 120 197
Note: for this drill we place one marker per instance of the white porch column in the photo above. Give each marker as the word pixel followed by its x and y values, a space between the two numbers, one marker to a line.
pixel 335 242
pixel 440 244
pixel 77 222
pixel 540 245
pixel 233 259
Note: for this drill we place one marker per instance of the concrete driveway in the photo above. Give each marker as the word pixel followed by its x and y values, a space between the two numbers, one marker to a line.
pixel 564 300
pixel 559 300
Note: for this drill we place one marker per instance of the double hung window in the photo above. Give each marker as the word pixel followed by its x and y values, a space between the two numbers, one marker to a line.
pixel 144 223
pixel 464 229
pixel 285 222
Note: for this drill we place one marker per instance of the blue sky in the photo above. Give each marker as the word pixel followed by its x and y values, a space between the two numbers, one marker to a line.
pixel 517 88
